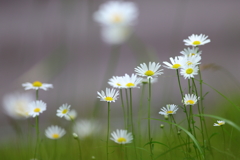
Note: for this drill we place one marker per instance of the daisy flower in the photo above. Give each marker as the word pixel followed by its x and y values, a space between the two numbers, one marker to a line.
pixel 37 85
pixel 115 35
pixel 191 52
pixel 71 115
pixel 219 123
pixel 193 60
pixel 109 96
pixel 15 104
pixel 131 82
pixel 176 63
pixel 36 107
pixel 149 72
pixel 116 13
pixel 196 40
pixel 170 109
pixel 190 99
pixel 189 71
pixel 121 137
pixel 54 132
pixel 63 110
pixel 116 82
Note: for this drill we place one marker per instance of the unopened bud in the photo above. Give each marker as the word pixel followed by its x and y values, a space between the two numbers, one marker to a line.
pixel 161 126
pixel 166 117
pixel 75 136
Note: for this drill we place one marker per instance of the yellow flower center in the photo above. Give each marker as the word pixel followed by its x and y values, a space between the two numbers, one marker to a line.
pixel 130 85
pixel 118 84
pixel 37 84
pixel 220 123
pixel 169 112
pixel 149 73
pixel 55 135
pixel 176 66
pixel 108 98
pixel 196 42
pixel 189 63
pixel 189 71
pixel 37 110
pixel 121 139
pixel 117 18
pixel 190 102
pixel 64 111
pixel 192 54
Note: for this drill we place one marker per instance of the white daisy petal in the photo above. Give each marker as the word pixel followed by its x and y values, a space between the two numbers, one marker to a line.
pixel 36 107
pixel 54 132
pixel 196 40
pixel 37 85
pixel 149 72
pixel 110 96
pixel 170 109
pixel 190 99
pixel 121 137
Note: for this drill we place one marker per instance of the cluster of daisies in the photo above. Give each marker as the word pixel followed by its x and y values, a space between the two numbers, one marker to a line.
pixel 117 19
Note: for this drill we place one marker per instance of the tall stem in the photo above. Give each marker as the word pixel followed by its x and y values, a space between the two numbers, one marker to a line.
pixel 108 128
pixel 149 121
pixel 123 108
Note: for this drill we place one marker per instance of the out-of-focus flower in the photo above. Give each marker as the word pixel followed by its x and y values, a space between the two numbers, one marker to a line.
pixel 37 85
pixel 71 115
pixel 117 13
pixel 116 82
pixel 54 132
pixel 146 80
pixel 110 96
pixel 191 52
pixel 189 71
pixel 86 128
pixel 169 109
pixel 219 123
pixel 131 82
pixel 121 137
pixel 196 40
pixel 150 71
pixel 190 99
pixel 15 105
pixel 63 110
pixel 36 107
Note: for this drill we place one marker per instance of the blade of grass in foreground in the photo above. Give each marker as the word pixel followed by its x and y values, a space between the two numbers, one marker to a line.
pixel 220 118
pixel 188 133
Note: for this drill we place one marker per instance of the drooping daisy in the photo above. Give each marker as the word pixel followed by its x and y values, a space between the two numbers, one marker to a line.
pixel 219 123
pixel 109 96
pixel 36 107
pixel 54 132
pixel 116 82
pixel 115 35
pixel 63 110
pixel 169 109
pixel 87 128
pixel 191 51
pixel 196 40
pixel 190 99
pixel 131 82
pixel 121 137
pixel 116 13
pixel 15 105
pixel 37 85
pixel 176 63
pixel 189 71
pixel 71 115
pixel 150 71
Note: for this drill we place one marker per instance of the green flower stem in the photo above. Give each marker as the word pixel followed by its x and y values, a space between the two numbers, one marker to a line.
pixel 149 122
pixel 37 132
pixel 131 119
pixel 128 112
pixel 79 147
pixel 123 108
pixel 108 128
pixel 224 142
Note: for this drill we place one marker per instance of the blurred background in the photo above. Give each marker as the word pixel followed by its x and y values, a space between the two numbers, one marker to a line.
pixel 58 42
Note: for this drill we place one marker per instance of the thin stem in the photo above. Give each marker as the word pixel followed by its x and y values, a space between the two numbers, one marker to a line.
pixel 37 132
pixel 108 128
pixel 123 108
pixel 149 122
pixel 79 147
pixel 128 113
pixel 224 142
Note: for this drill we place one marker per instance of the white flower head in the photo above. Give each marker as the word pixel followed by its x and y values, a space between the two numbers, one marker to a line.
pixel 191 51
pixel 54 132
pixel 121 137
pixel 116 82
pixel 219 123
pixel 71 115
pixel 15 105
pixel 115 35
pixel 169 109
pixel 192 61
pixel 86 128
pixel 116 13
pixel 196 40
pixel 176 63
pixel 36 107
pixel 150 71
pixel 63 110
pixel 189 71
pixel 190 99
pixel 37 85
pixel 109 96
pixel 131 82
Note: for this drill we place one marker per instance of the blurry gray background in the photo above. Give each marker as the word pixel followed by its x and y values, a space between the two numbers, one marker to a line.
pixel 58 42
